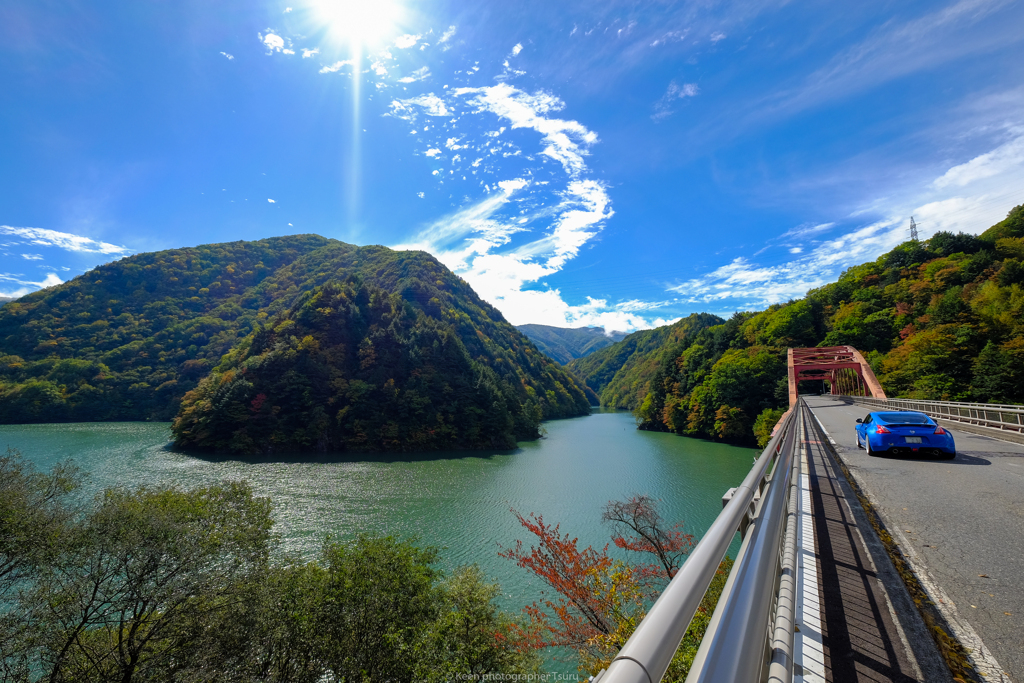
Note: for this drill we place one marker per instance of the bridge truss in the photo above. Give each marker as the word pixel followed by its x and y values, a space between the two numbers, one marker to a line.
pixel 843 367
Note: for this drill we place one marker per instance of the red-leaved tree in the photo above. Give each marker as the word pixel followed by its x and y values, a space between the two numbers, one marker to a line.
pixel 600 600
pixel 649 533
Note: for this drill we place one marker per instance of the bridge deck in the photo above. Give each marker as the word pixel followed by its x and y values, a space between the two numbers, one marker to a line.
pixel 961 525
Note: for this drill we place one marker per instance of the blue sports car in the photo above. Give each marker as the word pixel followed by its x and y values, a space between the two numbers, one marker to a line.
pixel 903 432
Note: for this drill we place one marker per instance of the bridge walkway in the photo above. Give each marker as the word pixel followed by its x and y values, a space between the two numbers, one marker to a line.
pixel 959 523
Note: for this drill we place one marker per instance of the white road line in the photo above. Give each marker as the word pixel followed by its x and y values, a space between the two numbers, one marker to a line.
pixel 982 658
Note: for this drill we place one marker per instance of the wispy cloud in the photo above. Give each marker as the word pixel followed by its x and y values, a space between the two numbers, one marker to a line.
pixel 337 66
pixel 445 38
pixel 307 53
pixel 430 104
pixel 664 107
pixel 969 197
pixel 565 141
pixel 32 257
pixel 27 286
pixel 62 240
pixel 1007 157
pixel 227 55
pixel 896 49
pixel 417 75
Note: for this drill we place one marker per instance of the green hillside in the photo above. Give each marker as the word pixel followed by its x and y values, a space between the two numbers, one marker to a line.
pixel 127 340
pixel 941 319
pixel 354 367
pixel 620 373
pixel 565 344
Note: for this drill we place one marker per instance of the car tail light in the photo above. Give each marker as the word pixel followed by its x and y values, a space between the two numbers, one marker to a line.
pixel 939 430
pixel 881 430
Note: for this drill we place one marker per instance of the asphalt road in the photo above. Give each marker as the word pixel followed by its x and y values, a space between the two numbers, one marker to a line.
pixel 962 518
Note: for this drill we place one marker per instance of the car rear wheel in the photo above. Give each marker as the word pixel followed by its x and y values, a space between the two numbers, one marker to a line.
pixel 867 447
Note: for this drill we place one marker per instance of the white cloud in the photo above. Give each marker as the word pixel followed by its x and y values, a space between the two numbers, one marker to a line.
pixel 663 107
pixel 271 201
pixel 433 152
pixel 475 243
pixel 287 51
pixel 337 66
pixel 227 55
pixel 1007 157
pixel 517 49
pixel 307 53
pixel 406 41
pixel 566 141
pixel 287 10
pixel 757 286
pixel 807 230
pixel 272 41
pixel 993 183
pixel 430 104
pixel 670 37
pixel 446 36
pixel 898 48
pixel 50 280
pixel 421 195
pixel 417 75
pixel 32 257
pixel 717 36
pixel 63 240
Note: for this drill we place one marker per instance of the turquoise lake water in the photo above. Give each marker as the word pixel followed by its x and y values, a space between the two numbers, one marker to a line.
pixel 457 501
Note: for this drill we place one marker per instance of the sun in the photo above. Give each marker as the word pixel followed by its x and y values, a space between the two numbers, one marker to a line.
pixel 358 23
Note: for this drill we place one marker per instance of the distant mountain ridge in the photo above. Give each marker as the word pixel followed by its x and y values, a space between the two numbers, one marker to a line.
pixel 565 344
pixel 127 340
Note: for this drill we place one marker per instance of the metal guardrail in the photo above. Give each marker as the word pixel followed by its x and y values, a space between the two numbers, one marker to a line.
pixel 991 415
pixel 751 632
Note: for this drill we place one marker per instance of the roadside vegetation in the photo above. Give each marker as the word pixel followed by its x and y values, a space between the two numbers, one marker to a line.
pixel 940 319
pixel 165 584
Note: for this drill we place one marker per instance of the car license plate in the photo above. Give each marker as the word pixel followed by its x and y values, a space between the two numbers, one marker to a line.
pixel 913 439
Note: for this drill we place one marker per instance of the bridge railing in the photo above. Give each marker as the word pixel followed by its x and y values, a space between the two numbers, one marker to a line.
pixel 751 632
pixel 992 415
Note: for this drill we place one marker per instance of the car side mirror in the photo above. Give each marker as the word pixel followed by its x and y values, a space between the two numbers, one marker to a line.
pixel 860 421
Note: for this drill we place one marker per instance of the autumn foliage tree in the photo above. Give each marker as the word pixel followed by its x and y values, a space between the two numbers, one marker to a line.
pixel 601 600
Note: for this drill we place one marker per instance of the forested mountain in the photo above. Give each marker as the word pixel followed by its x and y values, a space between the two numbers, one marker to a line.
pixel 939 319
pixel 620 373
pixel 5 299
pixel 565 344
pixel 127 340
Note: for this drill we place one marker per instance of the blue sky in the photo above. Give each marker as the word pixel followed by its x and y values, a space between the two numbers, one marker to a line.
pixel 579 163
